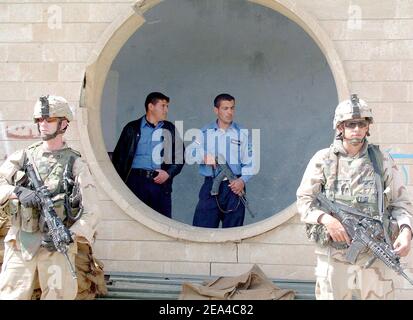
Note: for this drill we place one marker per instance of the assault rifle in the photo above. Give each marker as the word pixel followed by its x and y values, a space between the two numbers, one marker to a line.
pixel 226 172
pixel 57 231
pixel 365 232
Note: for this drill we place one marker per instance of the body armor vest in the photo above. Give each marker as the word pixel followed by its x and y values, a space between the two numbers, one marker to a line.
pixel 349 181
pixel 51 166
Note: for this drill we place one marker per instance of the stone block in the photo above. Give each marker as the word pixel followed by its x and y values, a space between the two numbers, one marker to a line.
pixel 38 71
pixel 391 132
pixel 16 110
pixel 76 12
pixel 350 9
pixel 407 70
pixel 270 270
pixel 4 13
pixel 68 90
pixel 63 52
pixel 284 234
pixel 375 49
pixel 4 52
pixel 16 32
pixel 404 9
pixel 71 71
pixel 106 12
pixel 368 29
pixel 392 112
pixel 163 267
pixel 382 91
pixel 69 32
pixel 382 112
pixel 9 71
pixel 364 30
pixel 374 70
pixel 24 52
pixel 11 91
pixel 409 133
pixel 166 251
pixel 276 254
pixel 127 230
pixel 26 12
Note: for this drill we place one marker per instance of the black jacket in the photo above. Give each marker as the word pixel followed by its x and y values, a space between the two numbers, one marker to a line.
pixel 125 150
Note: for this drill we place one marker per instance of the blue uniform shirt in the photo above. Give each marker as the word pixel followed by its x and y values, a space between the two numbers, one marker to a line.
pixel 143 155
pixel 234 144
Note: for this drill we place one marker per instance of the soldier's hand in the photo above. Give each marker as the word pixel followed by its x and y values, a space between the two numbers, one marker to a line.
pixel 335 229
pixel 237 186
pixel 209 159
pixel 402 243
pixel 27 197
pixel 161 177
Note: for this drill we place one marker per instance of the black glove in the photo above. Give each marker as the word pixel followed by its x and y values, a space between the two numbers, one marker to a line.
pixel 28 197
pixel 47 243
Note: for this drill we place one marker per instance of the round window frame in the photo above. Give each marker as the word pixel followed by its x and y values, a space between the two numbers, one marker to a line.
pixel 89 124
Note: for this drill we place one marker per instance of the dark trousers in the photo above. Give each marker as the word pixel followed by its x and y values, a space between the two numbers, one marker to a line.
pixel 152 194
pixel 208 213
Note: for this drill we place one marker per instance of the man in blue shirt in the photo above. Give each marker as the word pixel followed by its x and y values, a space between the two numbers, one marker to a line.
pixel 223 139
pixel 149 154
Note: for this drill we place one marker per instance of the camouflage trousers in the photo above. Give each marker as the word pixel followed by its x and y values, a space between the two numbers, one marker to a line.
pixel 339 280
pixel 50 269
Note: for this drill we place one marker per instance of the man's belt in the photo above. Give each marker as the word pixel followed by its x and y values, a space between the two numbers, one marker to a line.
pixel 148 174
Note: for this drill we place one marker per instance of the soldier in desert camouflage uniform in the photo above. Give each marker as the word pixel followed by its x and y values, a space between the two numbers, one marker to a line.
pixel 30 254
pixel 344 173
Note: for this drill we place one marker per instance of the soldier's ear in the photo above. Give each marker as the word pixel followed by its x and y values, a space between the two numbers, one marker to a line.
pixel 64 124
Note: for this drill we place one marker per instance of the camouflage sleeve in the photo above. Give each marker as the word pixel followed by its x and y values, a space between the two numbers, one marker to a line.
pixel 310 186
pixel 85 227
pixel 8 175
pixel 396 193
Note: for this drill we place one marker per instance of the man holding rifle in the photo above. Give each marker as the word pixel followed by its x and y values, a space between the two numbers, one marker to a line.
pixel 225 141
pixel 353 173
pixel 48 191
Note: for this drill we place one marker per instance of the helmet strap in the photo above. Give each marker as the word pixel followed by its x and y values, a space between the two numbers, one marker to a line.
pixel 354 141
pixel 58 131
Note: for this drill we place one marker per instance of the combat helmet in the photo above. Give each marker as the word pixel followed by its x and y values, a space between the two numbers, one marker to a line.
pixel 52 107
pixel 354 108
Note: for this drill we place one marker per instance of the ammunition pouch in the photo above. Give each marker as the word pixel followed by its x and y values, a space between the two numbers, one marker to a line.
pixel 318 233
pixel 30 219
pixel 27 219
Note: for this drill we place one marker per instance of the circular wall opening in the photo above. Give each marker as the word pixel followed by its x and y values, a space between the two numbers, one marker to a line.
pixel 193 50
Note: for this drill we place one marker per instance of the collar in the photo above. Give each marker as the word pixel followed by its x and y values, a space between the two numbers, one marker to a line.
pixel 339 148
pixel 64 146
pixel 145 122
pixel 233 126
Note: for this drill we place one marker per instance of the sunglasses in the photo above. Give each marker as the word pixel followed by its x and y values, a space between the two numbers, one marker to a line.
pixel 354 124
pixel 48 120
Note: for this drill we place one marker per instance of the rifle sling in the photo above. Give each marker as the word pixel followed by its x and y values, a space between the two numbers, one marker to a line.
pixel 378 170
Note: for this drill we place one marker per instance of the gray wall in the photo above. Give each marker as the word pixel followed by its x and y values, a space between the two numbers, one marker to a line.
pixel 193 50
